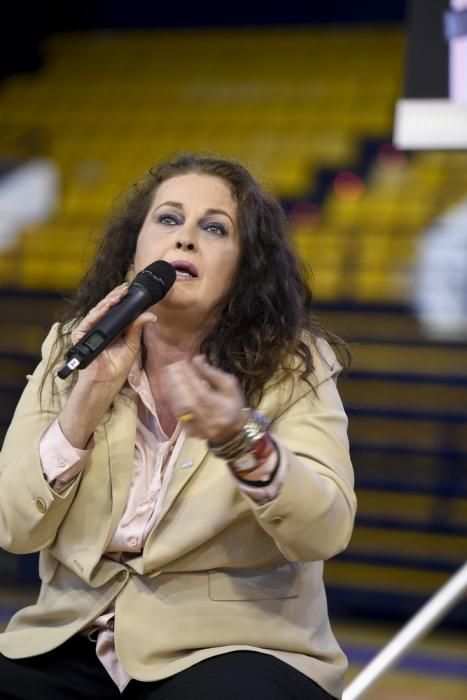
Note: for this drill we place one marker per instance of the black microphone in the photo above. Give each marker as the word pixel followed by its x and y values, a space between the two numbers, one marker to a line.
pixel 149 286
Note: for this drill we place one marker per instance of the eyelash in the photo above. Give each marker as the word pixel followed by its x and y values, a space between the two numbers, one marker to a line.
pixel 220 227
pixel 162 217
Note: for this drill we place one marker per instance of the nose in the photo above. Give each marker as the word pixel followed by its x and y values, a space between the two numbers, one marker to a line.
pixel 186 239
pixel 184 245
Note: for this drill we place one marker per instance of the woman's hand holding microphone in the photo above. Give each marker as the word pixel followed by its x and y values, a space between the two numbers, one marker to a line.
pixel 99 383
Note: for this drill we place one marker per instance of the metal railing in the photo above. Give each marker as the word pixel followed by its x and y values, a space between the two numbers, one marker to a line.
pixel 421 623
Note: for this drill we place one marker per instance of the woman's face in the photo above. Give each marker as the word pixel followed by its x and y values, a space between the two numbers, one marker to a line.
pixel 192 224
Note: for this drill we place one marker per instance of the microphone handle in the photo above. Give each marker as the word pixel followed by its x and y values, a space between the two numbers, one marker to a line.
pixel 107 329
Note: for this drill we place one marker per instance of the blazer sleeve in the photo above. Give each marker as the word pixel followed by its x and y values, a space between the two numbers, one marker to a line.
pixel 30 511
pixel 312 516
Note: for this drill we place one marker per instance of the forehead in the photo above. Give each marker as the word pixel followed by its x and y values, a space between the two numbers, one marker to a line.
pixel 195 188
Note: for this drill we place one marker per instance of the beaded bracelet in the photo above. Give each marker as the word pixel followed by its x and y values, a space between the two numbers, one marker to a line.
pixel 255 458
pixel 255 427
pixel 249 448
pixel 261 484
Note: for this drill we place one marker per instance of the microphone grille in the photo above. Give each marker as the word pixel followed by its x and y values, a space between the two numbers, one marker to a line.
pixel 157 278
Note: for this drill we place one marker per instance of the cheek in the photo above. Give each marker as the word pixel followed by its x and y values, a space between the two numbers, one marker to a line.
pixel 147 246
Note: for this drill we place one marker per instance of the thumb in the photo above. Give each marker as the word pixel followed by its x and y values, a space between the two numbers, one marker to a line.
pixel 134 330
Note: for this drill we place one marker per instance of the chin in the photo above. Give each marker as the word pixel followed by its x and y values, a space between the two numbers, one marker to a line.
pixel 177 303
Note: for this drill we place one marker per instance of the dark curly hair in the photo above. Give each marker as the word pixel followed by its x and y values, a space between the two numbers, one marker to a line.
pixel 267 322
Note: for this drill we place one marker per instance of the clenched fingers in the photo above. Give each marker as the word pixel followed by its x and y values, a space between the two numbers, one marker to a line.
pixel 98 311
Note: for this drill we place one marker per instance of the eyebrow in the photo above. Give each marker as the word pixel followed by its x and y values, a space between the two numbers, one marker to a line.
pixel 178 205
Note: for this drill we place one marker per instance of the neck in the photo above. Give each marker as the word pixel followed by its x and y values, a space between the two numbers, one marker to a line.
pixel 165 344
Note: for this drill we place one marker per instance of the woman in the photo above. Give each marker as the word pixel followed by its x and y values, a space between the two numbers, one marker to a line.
pixel 185 488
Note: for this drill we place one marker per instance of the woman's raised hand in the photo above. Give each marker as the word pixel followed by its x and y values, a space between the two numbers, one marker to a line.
pixel 209 400
pixel 113 363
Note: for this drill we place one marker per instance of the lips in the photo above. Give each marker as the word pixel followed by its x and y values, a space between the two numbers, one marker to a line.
pixel 184 269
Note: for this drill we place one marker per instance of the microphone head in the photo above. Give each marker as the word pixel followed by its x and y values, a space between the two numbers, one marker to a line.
pixel 157 278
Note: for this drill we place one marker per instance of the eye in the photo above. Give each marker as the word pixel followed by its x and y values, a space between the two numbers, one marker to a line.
pixel 216 227
pixel 168 219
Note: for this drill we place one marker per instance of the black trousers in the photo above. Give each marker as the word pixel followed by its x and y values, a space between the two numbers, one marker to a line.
pixel 73 672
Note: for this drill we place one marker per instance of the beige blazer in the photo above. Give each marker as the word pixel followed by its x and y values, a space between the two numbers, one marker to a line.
pixel 218 572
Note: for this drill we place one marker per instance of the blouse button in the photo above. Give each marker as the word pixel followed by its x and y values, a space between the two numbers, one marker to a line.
pixel 133 542
pixel 59 462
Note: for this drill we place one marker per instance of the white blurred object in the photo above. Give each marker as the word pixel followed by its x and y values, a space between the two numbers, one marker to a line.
pixel 421 623
pixel 458 58
pixel 28 195
pixel 440 282
pixel 430 124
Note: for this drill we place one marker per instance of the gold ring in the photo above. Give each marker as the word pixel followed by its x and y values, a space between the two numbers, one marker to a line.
pixel 186 417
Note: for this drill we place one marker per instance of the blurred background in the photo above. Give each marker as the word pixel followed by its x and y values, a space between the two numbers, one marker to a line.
pixel 306 99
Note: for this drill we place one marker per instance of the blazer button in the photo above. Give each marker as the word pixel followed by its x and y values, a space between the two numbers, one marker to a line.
pixel 277 519
pixel 40 505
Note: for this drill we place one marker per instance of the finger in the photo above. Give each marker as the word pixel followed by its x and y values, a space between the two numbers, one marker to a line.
pixel 98 311
pixel 217 378
pixel 132 335
pixel 186 391
pixel 114 296
pixel 101 308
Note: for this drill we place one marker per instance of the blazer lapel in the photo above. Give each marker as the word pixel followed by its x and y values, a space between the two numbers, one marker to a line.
pixel 120 433
pixel 189 460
